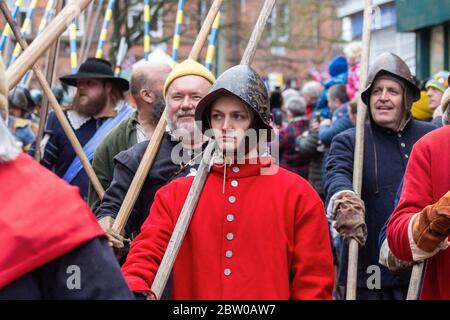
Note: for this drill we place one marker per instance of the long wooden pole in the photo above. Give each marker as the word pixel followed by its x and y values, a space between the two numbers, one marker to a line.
pixel 55 105
pixel 202 173
pixel 414 282
pixel 94 23
pixel 42 42
pixel 49 75
pixel 152 149
pixel 352 272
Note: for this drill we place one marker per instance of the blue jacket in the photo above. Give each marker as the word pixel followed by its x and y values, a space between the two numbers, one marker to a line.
pixel 385 157
pixel 338 70
pixel 340 123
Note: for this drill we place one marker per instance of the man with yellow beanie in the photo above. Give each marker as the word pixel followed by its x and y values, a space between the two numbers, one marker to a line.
pixel 185 86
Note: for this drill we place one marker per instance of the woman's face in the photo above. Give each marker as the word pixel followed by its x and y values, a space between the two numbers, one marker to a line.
pixel 230 120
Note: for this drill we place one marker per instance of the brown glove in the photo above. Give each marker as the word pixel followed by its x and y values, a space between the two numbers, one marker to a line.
pixel 349 214
pixel 432 225
pixel 116 240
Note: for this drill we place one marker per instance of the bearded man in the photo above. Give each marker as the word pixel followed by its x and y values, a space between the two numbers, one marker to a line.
pixel 97 108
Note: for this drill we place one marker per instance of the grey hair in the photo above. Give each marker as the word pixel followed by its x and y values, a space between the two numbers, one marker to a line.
pixel 10 148
pixel 296 106
pixel 312 88
pixel 446 117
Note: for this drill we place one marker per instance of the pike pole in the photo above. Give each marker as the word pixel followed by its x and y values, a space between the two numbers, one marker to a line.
pixel 49 75
pixel 199 181
pixel 352 272
pixel 43 41
pixel 53 102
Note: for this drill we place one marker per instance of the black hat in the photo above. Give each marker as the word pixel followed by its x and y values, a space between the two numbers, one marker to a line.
pixel 95 68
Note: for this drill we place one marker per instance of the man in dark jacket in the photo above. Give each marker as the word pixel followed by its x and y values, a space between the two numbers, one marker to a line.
pixel 146 86
pixel 99 106
pixel 388 140
pixel 184 88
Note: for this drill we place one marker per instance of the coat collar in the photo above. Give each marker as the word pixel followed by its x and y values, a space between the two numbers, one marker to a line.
pixel 264 165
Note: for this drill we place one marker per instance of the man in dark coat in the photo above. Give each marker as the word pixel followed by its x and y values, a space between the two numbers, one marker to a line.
pixel 388 140
pixel 98 107
pixel 184 88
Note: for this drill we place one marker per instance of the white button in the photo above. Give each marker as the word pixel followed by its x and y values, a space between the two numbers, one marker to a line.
pixel 230 218
pixel 403 145
pixel 227 272
pixel 406 156
pixel 234 183
pixel 232 199
pixel 236 169
pixel 230 236
pixel 229 254
pixel 399 135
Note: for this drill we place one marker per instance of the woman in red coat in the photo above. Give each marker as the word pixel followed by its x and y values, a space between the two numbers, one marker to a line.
pixel 258 232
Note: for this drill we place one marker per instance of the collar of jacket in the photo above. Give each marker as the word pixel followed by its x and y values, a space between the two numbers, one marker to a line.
pixel 252 167
pixel 378 128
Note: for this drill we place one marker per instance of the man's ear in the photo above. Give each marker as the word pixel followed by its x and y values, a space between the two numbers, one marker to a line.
pixel 147 95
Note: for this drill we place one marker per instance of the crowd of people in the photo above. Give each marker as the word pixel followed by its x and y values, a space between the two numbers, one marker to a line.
pixel 278 209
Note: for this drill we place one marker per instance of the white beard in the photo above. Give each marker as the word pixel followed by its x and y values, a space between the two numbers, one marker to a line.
pixel 10 148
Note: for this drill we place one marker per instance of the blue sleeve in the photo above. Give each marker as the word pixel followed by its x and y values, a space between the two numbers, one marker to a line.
pixel 327 133
pixel 382 235
pixel 339 164
pixel 51 151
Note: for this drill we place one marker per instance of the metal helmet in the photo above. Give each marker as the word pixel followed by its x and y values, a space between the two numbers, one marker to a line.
pixel 20 98
pixel 243 82
pixel 391 64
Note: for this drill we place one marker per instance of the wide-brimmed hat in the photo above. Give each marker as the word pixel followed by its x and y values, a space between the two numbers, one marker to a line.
pixel 95 68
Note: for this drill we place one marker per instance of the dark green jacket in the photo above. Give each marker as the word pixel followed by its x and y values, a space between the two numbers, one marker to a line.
pixel 120 138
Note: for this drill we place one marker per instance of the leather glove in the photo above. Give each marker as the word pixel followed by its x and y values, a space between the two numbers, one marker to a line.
pixel 116 240
pixel 432 225
pixel 349 214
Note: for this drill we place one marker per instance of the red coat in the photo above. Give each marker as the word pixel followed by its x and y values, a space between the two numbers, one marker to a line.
pixel 41 218
pixel 427 179
pixel 265 237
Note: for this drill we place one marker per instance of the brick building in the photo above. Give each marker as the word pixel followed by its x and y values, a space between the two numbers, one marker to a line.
pixel 301 35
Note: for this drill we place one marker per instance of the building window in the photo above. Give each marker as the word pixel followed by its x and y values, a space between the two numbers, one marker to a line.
pixel 437 49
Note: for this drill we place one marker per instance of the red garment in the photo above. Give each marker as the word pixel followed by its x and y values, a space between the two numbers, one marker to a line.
pixel 41 218
pixel 271 243
pixel 427 179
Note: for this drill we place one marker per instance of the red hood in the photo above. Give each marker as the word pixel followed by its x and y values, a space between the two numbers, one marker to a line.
pixel 41 218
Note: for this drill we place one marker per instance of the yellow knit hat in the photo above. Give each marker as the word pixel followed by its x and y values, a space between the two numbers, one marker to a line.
pixel 186 68
pixel 3 91
pixel 420 109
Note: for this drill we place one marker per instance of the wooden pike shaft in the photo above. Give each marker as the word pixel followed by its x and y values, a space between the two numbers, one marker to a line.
pixel 54 104
pixel 359 147
pixel 257 33
pixel 42 42
pixel 51 62
pixel 197 185
pixel 183 222
pixel 152 148
pixel 204 32
pixel 414 282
